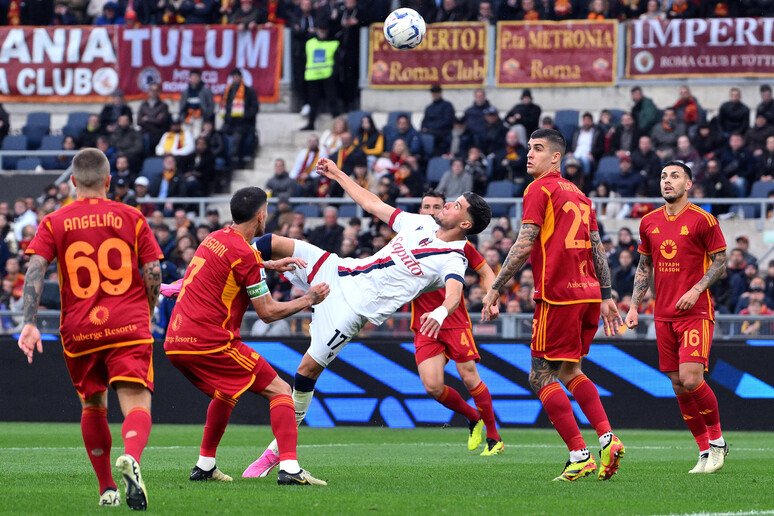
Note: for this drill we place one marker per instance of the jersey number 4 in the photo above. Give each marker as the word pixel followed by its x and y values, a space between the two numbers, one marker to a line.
pixel 113 281
pixel 581 214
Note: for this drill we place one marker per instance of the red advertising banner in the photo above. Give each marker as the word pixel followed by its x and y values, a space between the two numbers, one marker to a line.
pixel 85 64
pixel 452 54
pixel 716 47
pixel 167 54
pixel 73 64
pixel 545 53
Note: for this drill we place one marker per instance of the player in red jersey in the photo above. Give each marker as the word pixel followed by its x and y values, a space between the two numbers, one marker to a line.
pixel 100 247
pixel 684 249
pixel 559 234
pixel 225 276
pixel 455 341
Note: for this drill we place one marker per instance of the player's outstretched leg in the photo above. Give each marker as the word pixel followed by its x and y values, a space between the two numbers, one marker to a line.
pixel 586 394
pixel 97 440
pixel 218 414
pixel 708 408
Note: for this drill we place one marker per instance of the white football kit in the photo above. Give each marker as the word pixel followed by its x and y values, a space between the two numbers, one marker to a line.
pixel 374 288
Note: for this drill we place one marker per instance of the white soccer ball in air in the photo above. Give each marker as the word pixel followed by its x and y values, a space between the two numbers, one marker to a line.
pixel 404 28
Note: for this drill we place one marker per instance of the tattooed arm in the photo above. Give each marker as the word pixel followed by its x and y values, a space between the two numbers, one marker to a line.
pixel 608 309
pixel 151 275
pixel 518 254
pixel 642 279
pixel 29 340
pixel 714 272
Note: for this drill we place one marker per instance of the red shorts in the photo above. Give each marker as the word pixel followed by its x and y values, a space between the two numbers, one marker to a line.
pixel 93 372
pixel 563 332
pixel 456 343
pixel 681 341
pixel 230 371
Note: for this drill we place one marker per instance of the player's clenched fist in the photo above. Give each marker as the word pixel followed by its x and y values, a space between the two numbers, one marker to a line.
pixel 285 264
pixel 318 293
pixel 632 318
pixel 327 168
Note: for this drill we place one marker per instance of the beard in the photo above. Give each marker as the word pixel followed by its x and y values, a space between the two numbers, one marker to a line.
pixel 671 197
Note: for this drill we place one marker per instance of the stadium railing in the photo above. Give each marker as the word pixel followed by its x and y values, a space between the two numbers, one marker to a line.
pixel 508 326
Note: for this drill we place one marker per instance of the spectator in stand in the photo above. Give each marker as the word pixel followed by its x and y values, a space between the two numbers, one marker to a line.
pixel 687 108
pixel 707 141
pixel 240 108
pixel 606 128
pixel 644 111
pixel 330 141
pixel 766 107
pixel 529 12
pixel 196 104
pixel 453 11
pixel 623 274
pixel 508 10
pixel 168 184
pixel 281 218
pixel 320 72
pixel 524 116
pixel 389 164
pixel 122 193
pixel 348 155
pixel 492 137
pixel 200 174
pixel 738 164
pixel 461 139
pixel 5 123
pixel 363 177
pixel 122 171
pixel 717 185
pixel 141 191
pixel 63 15
pixel 573 172
pixel 281 183
pixel 743 244
pixel 170 12
pixel 352 18
pixel 177 142
pixel 214 140
pixel 758 134
pixel 403 130
pixel 304 170
pixel 63 161
pixel 486 13
pixel 626 9
pixel 769 279
pixel 477 165
pixel 455 181
pixel 598 10
pixel 89 134
pixel 756 327
pixel 248 15
pixel 438 120
pixel 510 162
pixel 117 106
pixel 664 135
pixel 329 235
pixel 153 116
pixel 197 11
pixel 647 163
pixel 625 137
pixel 302 24
pixel 474 115
pixel 369 138
pixel 103 144
pixel 756 289
pixel 764 168
pixel 587 144
pixel 109 15
pixel 627 182
pixel 127 140
pixel 688 155
pixel 23 215
pixel 625 242
pixel 682 9
pixel 719 9
pixel 653 11
pixel 409 181
pixel 734 116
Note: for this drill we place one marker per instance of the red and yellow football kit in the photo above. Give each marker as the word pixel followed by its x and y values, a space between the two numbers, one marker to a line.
pixel 455 339
pixel 680 247
pixel 99 246
pixel 203 338
pixel 566 286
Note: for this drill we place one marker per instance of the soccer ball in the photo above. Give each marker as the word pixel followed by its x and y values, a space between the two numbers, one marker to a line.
pixel 404 28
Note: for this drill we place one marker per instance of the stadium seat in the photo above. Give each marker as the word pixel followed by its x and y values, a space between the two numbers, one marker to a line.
pixel 354 118
pixel 34 134
pixel 615 115
pixel 347 211
pixel 607 170
pixel 152 167
pixel 428 143
pixel 50 142
pixel 759 190
pixel 39 118
pixel 71 130
pixel 392 116
pixel 78 119
pixel 436 168
pixel 499 189
pixel 566 116
pixel 14 143
pixel 567 131
pixel 28 164
pixel 308 210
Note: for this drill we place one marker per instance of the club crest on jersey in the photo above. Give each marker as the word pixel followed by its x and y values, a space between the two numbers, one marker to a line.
pixel 684 230
pixel 425 241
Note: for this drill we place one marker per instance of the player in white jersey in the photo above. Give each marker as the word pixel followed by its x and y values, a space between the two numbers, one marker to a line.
pixel 426 254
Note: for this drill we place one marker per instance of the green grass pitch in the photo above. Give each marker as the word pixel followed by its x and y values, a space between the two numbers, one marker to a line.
pixel 44 469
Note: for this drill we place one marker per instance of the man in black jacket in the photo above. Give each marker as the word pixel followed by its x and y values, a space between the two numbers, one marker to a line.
pixel 241 109
pixel 525 114
pixel 330 234
pixel 439 121
pixel 734 116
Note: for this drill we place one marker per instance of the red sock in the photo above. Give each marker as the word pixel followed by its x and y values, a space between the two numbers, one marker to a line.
pixel 484 405
pixel 218 414
pixel 708 408
pixel 97 439
pixel 557 406
pixel 136 430
pixel 282 413
pixel 452 400
pixel 693 419
pixel 586 394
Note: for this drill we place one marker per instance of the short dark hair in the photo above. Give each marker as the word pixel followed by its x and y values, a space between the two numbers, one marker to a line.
pixel 677 163
pixel 554 137
pixel 635 88
pixel 246 202
pixel 765 87
pixel 434 193
pixel 479 211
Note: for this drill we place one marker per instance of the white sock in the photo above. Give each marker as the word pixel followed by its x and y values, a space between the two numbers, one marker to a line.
pixel 718 442
pixel 302 400
pixel 605 439
pixel 205 463
pixel 703 453
pixel 579 455
pixel 273 446
pixel 290 466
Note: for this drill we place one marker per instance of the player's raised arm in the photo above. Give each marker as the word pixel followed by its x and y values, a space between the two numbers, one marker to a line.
pixel 364 198
pixel 29 340
pixel 642 281
pixel 432 321
pixel 608 309
pixel 270 310
pixel 515 260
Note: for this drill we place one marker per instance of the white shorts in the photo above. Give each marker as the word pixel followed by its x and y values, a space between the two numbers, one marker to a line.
pixel 334 323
